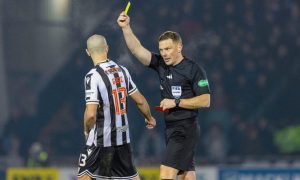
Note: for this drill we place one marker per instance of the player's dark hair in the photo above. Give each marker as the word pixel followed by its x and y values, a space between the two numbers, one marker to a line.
pixel 170 35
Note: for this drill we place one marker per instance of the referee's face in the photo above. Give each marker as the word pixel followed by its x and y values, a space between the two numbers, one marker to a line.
pixel 170 51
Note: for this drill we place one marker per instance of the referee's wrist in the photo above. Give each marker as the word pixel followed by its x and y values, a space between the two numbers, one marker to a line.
pixel 177 102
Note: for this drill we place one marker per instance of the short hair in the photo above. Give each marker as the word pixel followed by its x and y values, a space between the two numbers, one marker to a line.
pixel 96 44
pixel 170 35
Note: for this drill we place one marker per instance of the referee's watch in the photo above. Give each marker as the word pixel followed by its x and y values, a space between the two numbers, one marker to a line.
pixel 177 101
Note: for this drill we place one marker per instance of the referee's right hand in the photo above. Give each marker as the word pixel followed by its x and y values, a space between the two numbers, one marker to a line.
pixel 123 20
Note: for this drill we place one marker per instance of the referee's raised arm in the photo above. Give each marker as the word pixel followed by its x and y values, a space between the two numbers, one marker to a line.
pixel 132 42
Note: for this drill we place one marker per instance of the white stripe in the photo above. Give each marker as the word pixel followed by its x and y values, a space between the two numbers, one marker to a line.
pixel 120 137
pixel 95 139
pixel 129 80
pixel 118 121
pixel 107 115
pixel 88 173
pixel 127 131
pixel 119 132
pixel 91 136
pixel 129 93
pixel 133 91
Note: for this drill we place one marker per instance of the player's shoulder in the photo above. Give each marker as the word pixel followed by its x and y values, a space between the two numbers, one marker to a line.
pixel 112 62
pixel 124 69
pixel 91 72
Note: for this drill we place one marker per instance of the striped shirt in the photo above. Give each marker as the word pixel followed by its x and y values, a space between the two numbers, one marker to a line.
pixel 109 84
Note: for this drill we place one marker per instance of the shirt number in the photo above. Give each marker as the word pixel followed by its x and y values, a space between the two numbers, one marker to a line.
pixel 82 160
pixel 119 95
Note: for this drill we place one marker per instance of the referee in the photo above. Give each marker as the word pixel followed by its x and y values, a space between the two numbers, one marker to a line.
pixel 184 89
pixel 107 152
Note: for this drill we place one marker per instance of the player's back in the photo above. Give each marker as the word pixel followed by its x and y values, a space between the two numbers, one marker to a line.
pixel 108 85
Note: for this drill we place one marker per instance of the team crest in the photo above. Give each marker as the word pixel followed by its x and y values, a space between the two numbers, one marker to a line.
pixel 176 91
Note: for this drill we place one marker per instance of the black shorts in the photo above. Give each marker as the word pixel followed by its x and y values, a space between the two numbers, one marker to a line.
pixel 107 162
pixel 181 140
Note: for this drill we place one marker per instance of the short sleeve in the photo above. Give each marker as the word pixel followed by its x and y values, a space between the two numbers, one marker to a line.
pixel 154 63
pixel 200 81
pixel 91 82
pixel 131 87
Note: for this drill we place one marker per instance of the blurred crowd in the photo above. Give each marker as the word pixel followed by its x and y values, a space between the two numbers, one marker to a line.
pixel 249 48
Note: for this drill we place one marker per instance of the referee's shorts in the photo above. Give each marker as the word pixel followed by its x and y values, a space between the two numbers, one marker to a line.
pixel 181 140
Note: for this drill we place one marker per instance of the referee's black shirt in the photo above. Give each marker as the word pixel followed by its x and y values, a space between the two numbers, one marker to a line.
pixel 184 80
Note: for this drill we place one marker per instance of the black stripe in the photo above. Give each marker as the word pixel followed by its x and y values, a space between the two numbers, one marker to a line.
pixel 112 105
pixel 123 122
pixel 100 121
pixel 128 84
pixel 116 75
pixel 88 81
pixel 126 78
pixel 91 101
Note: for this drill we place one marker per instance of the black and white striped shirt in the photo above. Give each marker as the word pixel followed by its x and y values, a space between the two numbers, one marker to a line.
pixel 109 84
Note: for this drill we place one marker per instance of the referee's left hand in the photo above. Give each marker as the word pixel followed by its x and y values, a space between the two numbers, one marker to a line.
pixel 167 104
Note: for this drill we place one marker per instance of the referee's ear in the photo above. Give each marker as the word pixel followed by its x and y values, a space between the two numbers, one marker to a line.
pixel 179 47
pixel 87 52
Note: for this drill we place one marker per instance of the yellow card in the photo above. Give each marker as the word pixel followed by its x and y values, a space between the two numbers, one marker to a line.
pixel 127 7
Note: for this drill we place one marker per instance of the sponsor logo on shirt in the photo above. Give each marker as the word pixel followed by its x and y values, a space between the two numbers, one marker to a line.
pixel 89 151
pixel 113 70
pixel 122 128
pixel 88 79
pixel 170 76
pixel 203 83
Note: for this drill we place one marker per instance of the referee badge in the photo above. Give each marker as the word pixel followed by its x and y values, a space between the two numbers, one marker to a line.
pixel 203 83
pixel 176 91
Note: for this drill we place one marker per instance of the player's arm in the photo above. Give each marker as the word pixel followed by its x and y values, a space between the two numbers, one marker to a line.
pixel 201 101
pixel 143 107
pixel 90 115
pixel 92 101
pixel 134 45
